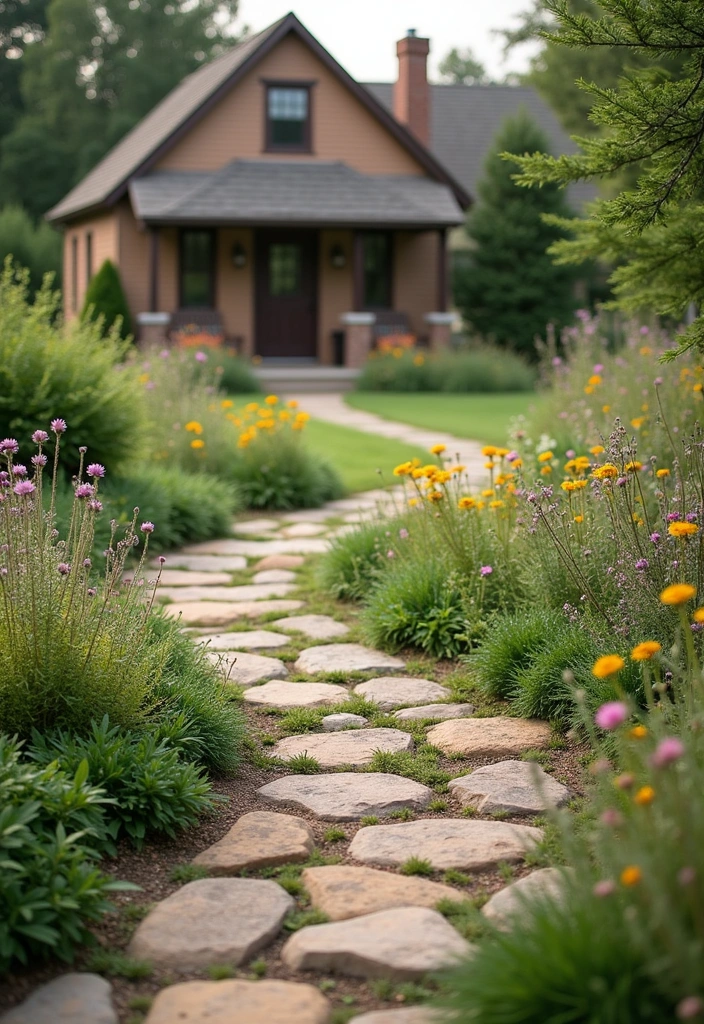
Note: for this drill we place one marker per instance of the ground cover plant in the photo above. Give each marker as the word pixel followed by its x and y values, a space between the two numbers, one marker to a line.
pixel 471 369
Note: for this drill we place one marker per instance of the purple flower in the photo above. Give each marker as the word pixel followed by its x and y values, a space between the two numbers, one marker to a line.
pixel 668 750
pixel 82 449
pixel 606 887
pixel 403 533
pixel 689 1007
pixel 95 469
pixel 655 537
pixel 570 453
pixel 147 527
pixel 610 715
pixel 201 357
pixel 87 563
pixel 39 460
pixel 24 487
pixel 686 875
pixel 556 361
pixel 657 382
pixel 84 491
pixel 9 445
pixel 622 481
pixel 161 559
pixel 19 470
pixel 91 591
pixel 486 570
pixel 642 563
pixel 58 426
pixel 4 479
pixel 150 385
pixel 611 817
pixel 598 367
pixel 64 568
pixel 672 517
pixel 40 436
pixel 691 517
pixel 95 506
pixel 390 554
pixel 644 330
pixel 164 354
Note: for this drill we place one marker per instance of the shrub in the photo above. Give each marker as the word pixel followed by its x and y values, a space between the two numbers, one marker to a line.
pixel 356 559
pixel 34 246
pixel 49 370
pixel 235 375
pixel 476 368
pixel 50 887
pixel 277 471
pixel 105 301
pixel 510 646
pixel 152 789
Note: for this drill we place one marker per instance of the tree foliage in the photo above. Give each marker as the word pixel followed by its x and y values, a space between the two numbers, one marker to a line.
pixel 37 247
pixel 509 289
pixel 461 67
pixel 653 121
pixel 105 298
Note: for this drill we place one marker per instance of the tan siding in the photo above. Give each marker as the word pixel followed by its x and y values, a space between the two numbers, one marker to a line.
pixel 415 276
pixel 134 260
pixel 234 287
pixel 104 233
pixel 342 127
pixel 335 290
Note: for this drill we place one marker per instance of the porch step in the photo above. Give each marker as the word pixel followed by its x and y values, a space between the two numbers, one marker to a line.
pixel 306 379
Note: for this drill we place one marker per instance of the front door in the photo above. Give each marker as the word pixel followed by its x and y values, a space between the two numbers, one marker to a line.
pixel 286 299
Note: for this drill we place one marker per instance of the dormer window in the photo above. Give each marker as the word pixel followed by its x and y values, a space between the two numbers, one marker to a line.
pixel 288 117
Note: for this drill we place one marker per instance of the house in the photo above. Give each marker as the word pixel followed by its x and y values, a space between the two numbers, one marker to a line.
pixel 274 199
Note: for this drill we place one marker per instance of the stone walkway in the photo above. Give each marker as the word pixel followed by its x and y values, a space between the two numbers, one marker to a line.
pixel 381 921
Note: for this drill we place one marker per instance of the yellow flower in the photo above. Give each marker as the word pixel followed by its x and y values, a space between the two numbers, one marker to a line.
pixel 698 387
pixel 607 665
pixel 568 485
pixel 646 350
pixel 678 593
pixel 435 496
pixel 638 732
pixel 438 449
pixel 579 519
pixel 633 467
pixel 606 472
pixel 226 403
pixel 412 502
pixel 194 427
pixel 418 360
pixel 466 503
pixel 595 379
pixel 284 415
pixel 496 504
pixel 293 404
pixel 271 399
pixel 589 390
pixel 645 651
pixel 442 476
pixel 403 469
pixel 546 470
pixel 488 493
pixel 251 407
pixel 517 463
pixel 545 456
pixel 143 378
pixel 644 796
pixel 699 615
pixel 637 422
pixel 197 443
pixel 631 875
pixel 606 408
pixel 597 449
pixel 457 469
pixel 489 450
pixel 502 452
pixel 243 441
pixel 682 529
pixel 660 473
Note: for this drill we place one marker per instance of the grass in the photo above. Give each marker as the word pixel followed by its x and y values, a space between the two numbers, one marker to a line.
pixel 478 417
pixel 357 456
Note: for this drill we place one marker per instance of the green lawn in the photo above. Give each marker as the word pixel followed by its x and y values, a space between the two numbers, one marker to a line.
pixel 480 417
pixel 357 456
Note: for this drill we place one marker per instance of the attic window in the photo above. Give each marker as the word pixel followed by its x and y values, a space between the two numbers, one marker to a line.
pixel 288 118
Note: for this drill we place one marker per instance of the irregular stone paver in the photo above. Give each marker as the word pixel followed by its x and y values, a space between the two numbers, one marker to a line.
pixel 342 891
pixel 69 999
pixel 466 845
pixel 333 749
pixel 393 692
pixel 401 944
pixel 508 902
pixel 259 548
pixel 514 786
pixel 260 839
pixel 348 796
pixel 435 711
pixel 253 592
pixel 303 530
pixel 239 1002
pixel 307 515
pixel 274 576
pixel 404 1015
pixel 345 658
pixel 280 562
pixel 211 921
pixel 185 578
pixel 343 720
pixel 253 640
pixel 204 563
pixel 255 526
pixel 490 737
pixel 248 669
pixel 220 613
pixel 317 627
pixel 278 694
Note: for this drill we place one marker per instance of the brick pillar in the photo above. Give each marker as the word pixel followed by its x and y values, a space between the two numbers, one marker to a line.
pixel 439 329
pixel 153 328
pixel 411 89
pixel 359 334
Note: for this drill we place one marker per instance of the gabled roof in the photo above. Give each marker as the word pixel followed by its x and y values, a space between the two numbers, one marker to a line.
pixel 140 149
pixel 290 192
pixel 464 120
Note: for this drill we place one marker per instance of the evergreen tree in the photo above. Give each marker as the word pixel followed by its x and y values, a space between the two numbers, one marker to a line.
pixel 105 297
pixel 461 67
pixel 509 290
pixel 34 246
pixel 653 121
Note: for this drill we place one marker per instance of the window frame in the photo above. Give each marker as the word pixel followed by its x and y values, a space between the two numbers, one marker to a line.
pixel 389 235
pixel 74 273
pixel 89 257
pixel 306 146
pixel 211 269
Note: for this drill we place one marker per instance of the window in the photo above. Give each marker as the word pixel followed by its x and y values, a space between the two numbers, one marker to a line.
pixel 74 273
pixel 376 283
pixel 197 268
pixel 89 256
pixel 288 118
pixel 284 269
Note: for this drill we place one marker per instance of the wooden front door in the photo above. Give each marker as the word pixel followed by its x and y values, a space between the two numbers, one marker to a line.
pixel 286 294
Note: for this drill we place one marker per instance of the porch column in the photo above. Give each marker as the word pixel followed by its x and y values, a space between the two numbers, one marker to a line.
pixel 441 304
pixel 359 334
pixel 439 329
pixel 154 270
pixel 358 270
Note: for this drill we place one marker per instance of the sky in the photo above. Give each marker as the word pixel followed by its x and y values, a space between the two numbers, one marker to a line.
pixel 362 34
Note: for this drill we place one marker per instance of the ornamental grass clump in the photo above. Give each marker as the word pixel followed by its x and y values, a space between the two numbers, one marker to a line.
pixel 72 636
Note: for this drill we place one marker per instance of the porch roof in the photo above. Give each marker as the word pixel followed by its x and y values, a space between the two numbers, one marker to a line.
pixel 312 193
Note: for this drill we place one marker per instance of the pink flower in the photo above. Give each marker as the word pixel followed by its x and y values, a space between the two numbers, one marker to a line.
pixel 164 354
pixel 147 527
pixel 39 460
pixel 24 487
pixel 611 817
pixel 390 554
pixel 598 367
pixel 611 715
pixel 486 570
pixel 512 456
pixel 403 533
pixel 19 470
pixel 9 446
pixel 686 876
pixel 95 469
pixel 201 357
pixel 668 750
pixel 689 1007
pixel 40 436
pixel 606 887
pixel 556 361
pixel 84 491
pixel 87 563
pixel 95 506
pixel 161 559
pixel 645 330
pixel 64 568
pixel 91 591
pixel 58 426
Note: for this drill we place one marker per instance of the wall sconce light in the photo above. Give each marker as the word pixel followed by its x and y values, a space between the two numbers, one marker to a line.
pixel 338 259
pixel 239 256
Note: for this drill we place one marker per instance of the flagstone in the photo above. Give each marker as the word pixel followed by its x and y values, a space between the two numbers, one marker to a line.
pixel 489 737
pixel 211 920
pixel 204 563
pixel 355 748
pixel 307 515
pixel 280 562
pixel 304 529
pixel 259 839
pixel 396 691
pixel 253 640
pixel 185 578
pixel 342 891
pixel 250 592
pixel 274 576
pixel 510 902
pixel 74 998
pixel 239 1002
pixel 401 944
pixel 404 1015
pixel 221 613
pixel 517 787
pixel 348 796
pixel 259 548
pixel 465 845
pixel 247 669
pixel 278 694
pixel 317 627
pixel 255 526
pixel 342 720
pixel 435 711
pixel 345 658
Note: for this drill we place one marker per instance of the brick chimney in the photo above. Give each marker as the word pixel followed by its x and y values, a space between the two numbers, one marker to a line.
pixel 411 90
